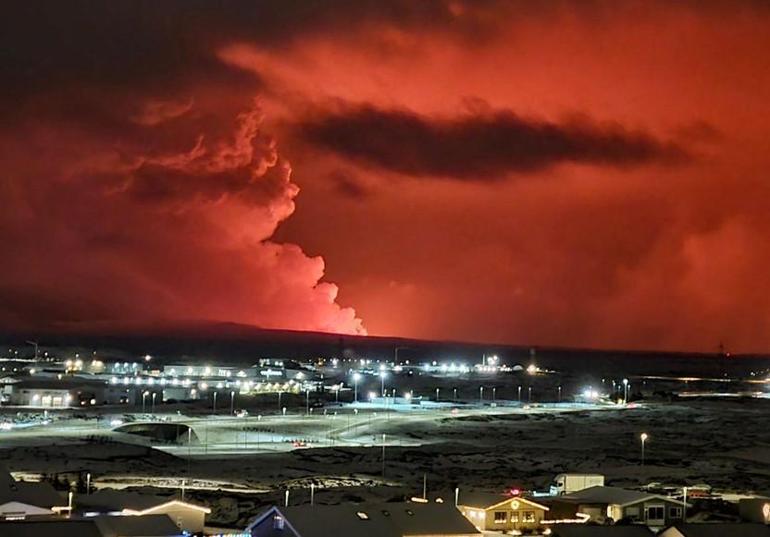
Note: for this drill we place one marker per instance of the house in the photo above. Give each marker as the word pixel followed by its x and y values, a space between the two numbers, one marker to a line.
pixel 498 512
pixel 19 499
pixel 592 530
pixel 370 520
pixel 611 504
pixel 739 529
pixel 755 510
pixel 107 526
pixel 185 515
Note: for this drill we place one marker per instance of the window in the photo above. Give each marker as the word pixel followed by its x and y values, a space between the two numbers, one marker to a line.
pixel 277 522
pixel 675 512
pixel 632 513
pixel 501 517
pixel 656 512
pixel 515 516
pixel 529 516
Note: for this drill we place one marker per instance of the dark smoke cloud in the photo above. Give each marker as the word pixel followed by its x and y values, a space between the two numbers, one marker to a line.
pixel 483 147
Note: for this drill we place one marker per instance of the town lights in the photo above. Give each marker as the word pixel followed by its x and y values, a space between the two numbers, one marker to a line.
pixel 532 369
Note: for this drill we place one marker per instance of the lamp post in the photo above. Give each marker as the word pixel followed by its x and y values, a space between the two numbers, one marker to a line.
pixel 153 401
pixel 307 402
pixel 356 378
pixel 232 402
pixel 559 396
pixel 382 382
pixel 481 395
pixel 519 391
pixel 643 437
pixel 437 392
pixel 529 391
pixel 625 391
pixel 494 396
pixel 214 409
pixel 144 396
pixel 279 399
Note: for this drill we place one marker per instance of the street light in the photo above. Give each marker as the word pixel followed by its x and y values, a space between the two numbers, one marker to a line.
pixel 643 437
pixel 356 378
pixel 494 391
pixel 382 381
pixel 144 396
pixel 481 394
pixel 519 391
pixel 625 391
pixel 232 402
pixel 437 392
pixel 214 410
pixel 153 401
pixel 559 399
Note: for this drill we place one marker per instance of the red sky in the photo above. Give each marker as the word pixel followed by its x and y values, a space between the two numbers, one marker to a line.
pixel 556 173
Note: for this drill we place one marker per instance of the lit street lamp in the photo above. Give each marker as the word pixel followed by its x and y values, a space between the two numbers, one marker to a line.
pixel 481 394
pixel 153 401
pixel 356 378
pixel 519 390
pixel 214 409
pixel 232 402
pixel 382 381
pixel 559 399
pixel 494 396
pixel 144 396
pixel 643 437
pixel 625 391
pixel 437 392
pixel 529 390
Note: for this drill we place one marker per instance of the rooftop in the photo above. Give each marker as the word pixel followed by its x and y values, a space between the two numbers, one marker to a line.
pixel 611 495
pixel 376 520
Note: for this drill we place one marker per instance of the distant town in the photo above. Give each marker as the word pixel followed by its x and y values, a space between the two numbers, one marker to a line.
pixel 203 424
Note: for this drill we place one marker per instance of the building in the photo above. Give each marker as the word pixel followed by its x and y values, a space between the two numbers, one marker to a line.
pixel 106 526
pixel 737 529
pixel 19 500
pixel 186 516
pixel 592 530
pixel 497 512
pixel 611 504
pixel 52 392
pixel 755 510
pixel 370 520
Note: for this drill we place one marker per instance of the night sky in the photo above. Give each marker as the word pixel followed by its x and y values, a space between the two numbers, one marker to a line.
pixel 562 173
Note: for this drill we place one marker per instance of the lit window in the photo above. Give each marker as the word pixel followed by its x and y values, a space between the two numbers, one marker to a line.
pixel 656 512
pixel 501 517
pixel 278 522
pixel 675 512
pixel 528 516
pixel 514 517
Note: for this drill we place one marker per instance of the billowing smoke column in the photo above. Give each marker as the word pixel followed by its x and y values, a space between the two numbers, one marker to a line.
pixel 163 213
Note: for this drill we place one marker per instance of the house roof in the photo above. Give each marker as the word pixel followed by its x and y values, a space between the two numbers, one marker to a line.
pixel 137 526
pixel 588 530
pixel 117 500
pixel 37 494
pixel 485 500
pixel 49 528
pixel 742 529
pixel 612 495
pixel 375 520
pixel 109 526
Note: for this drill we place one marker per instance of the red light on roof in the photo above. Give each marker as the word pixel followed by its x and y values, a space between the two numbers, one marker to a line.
pixel 515 492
